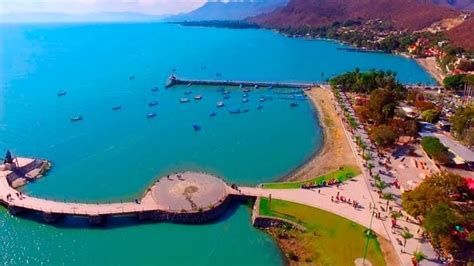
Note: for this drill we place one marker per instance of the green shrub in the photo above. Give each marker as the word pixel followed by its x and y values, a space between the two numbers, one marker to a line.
pixel 434 148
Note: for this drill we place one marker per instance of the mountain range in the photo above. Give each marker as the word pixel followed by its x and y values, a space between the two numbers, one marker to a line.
pixel 231 10
pixel 406 14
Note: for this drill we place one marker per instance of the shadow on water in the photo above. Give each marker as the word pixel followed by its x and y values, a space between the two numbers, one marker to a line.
pixel 76 222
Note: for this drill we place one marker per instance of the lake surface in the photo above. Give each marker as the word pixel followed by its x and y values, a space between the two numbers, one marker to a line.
pixel 115 155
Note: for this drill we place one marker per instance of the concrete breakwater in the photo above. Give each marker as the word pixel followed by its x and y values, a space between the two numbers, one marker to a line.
pixel 187 197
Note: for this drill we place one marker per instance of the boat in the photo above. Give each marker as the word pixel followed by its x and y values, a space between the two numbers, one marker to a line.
pixel 196 127
pixel 245 110
pixel 220 104
pixel 225 92
pixel 154 89
pixel 234 111
pixel 198 97
pixel 256 86
pixel 244 100
pixel 62 93
pixel 293 104
pixel 203 67
pixel 226 96
pixel 270 87
pixel 218 74
pixel 152 103
pixel 188 92
pixel 76 118
pixel 259 107
pixel 246 90
pixel 245 95
pixel 116 107
pixel 189 85
pixel 150 115
pixel 241 85
pixel 211 114
pixel 131 77
pixel 220 89
pixel 262 99
pixel 184 100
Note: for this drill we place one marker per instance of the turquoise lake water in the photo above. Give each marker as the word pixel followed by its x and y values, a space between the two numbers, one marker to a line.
pixel 115 155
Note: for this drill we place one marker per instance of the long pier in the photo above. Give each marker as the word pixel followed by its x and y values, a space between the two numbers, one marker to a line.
pixel 174 80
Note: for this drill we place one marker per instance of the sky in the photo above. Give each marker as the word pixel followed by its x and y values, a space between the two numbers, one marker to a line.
pixel 156 7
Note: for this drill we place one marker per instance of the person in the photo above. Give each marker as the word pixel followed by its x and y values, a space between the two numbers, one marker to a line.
pixel 319 191
pixel 332 198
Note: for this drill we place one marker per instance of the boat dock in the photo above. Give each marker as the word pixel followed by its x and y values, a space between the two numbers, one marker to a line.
pixel 174 80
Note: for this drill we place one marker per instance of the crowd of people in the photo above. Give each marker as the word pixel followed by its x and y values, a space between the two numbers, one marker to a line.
pixel 324 183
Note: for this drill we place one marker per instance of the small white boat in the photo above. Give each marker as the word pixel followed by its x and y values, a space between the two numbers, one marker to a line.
pixel 184 100
pixel 198 97
pixel 152 103
pixel 76 118
pixel 262 99
pixel 189 85
pixel 150 115
pixel 244 100
pixel 220 104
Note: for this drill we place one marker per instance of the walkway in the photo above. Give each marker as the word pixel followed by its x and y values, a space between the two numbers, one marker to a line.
pixel 412 244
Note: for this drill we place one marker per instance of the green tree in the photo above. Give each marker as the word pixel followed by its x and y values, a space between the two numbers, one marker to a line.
pixel 440 220
pixel 431 115
pixel 383 135
pixel 382 105
pixel 434 148
pixel 388 197
pixel 463 122
pixel 418 256
pixel 455 82
pixel 381 185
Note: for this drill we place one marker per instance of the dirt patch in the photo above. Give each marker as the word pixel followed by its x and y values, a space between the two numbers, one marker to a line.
pixel 388 251
pixel 336 151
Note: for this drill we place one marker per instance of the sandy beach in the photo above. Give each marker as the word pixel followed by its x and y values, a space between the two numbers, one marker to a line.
pixel 336 151
pixel 430 65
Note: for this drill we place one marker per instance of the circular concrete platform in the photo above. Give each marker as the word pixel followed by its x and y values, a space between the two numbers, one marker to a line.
pixel 189 191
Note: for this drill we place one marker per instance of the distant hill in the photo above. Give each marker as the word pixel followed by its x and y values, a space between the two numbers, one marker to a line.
pixel 231 10
pixel 463 35
pixel 465 5
pixel 405 14
pixel 73 18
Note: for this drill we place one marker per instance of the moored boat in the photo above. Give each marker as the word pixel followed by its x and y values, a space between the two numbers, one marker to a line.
pixel 262 99
pixel 220 104
pixel 244 100
pixel 293 104
pixel 234 111
pixel 152 103
pixel 188 92
pixel 189 85
pixel 116 107
pixel 211 114
pixel 154 89
pixel 226 96
pixel 196 127
pixel 62 93
pixel 259 107
pixel 76 118
pixel 150 115
pixel 198 97
pixel 246 90
pixel 184 100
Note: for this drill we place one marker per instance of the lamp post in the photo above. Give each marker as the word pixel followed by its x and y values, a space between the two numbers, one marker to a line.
pixel 368 237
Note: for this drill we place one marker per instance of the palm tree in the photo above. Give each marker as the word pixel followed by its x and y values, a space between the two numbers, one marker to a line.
pixel 370 166
pixel 418 256
pixel 377 177
pixel 395 215
pixel 389 197
pixel 406 235
pixel 381 185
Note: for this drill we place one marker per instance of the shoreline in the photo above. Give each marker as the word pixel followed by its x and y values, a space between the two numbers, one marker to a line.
pixel 429 65
pixel 335 151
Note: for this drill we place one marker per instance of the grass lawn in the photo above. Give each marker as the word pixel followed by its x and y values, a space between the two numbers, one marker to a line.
pixel 342 175
pixel 329 240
